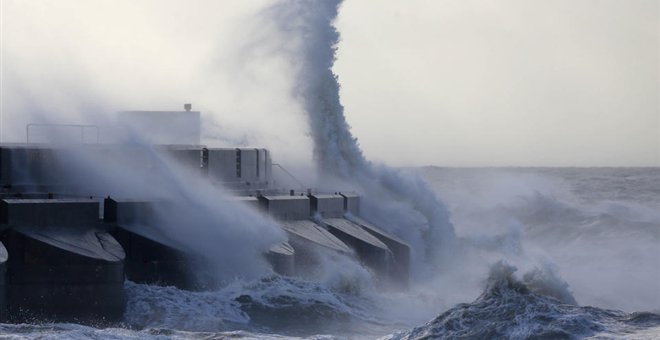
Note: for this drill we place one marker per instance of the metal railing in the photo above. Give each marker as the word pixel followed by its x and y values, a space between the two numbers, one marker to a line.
pixel 290 175
pixel 82 128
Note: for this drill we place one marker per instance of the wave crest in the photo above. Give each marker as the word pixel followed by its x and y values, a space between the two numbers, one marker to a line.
pixel 537 306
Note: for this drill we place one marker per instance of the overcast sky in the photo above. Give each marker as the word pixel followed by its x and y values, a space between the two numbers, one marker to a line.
pixel 480 83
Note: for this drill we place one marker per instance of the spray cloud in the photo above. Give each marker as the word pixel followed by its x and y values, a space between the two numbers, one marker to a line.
pixel 419 215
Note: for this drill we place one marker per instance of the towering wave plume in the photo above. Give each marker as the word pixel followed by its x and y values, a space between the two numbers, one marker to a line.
pixel 407 205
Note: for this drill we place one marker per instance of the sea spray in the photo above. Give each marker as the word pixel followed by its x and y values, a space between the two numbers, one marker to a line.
pixel 200 217
pixel 571 219
pixel 309 24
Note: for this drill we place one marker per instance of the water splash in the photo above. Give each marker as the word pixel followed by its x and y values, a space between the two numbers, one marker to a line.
pixel 309 26
pixel 511 308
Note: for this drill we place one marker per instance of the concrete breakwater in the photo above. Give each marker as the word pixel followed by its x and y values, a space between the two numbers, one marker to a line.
pixel 64 256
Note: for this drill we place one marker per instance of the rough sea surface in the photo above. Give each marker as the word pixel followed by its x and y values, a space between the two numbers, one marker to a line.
pixel 561 253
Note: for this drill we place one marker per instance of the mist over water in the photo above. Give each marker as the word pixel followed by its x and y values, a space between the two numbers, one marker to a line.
pixel 598 228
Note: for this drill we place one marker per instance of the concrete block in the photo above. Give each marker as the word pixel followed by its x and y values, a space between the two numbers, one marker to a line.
pixel 249 166
pixel 399 271
pixel 222 165
pixel 262 158
pixel 63 246
pixel 188 157
pixel 369 249
pixel 49 212
pixel 308 231
pixel 240 169
pixel 64 275
pixel 140 217
pixel 130 212
pixel 351 203
pixel 154 262
pixel 286 207
pixel 31 166
pixel 282 257
pixel 328 206
pixel 151 256
pixel 348 229
pixel 269 167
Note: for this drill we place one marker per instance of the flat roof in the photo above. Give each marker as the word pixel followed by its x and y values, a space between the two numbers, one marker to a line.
pixel 243 198
pixel 49 200
pixel 327 196
pixel 285 198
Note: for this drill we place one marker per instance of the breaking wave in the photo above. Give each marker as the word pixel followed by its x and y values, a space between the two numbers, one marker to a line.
pixel 528 308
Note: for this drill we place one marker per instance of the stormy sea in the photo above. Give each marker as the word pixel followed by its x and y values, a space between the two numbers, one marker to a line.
pixel 543 253
pixel 496 253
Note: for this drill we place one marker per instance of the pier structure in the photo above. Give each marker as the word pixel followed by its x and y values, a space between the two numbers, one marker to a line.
pixel 68 242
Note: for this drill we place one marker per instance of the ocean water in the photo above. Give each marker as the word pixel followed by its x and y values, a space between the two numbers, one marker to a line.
pixel 561 253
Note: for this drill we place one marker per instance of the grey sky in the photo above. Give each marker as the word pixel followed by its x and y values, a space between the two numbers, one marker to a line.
pixel 504 82
pixel 525 82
